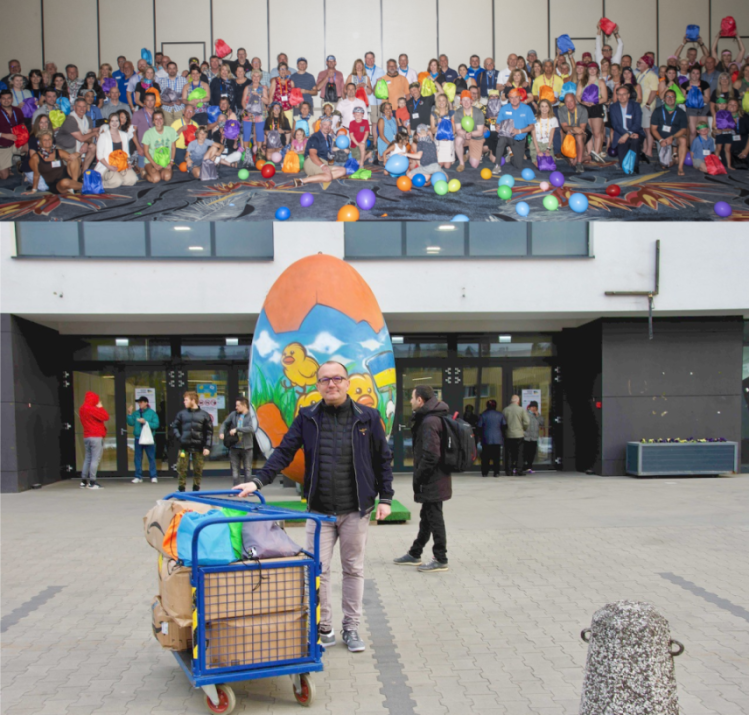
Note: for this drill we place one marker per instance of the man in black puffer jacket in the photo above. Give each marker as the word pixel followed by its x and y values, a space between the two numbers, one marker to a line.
pixel 346 467
pixel 432 481
pixel 193 429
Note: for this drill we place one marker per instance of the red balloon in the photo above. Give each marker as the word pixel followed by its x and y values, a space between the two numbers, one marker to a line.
pixel 268 171
pixel 614 190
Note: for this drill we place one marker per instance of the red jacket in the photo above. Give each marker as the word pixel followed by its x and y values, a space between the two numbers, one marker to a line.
pixel 93 417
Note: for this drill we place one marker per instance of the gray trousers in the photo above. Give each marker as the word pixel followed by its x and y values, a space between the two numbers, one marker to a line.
pixel 351 531
pixel 240 459
pixel 93 448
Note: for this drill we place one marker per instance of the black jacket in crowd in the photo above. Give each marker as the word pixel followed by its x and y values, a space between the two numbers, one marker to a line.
pixel 193 429
pixel 432 481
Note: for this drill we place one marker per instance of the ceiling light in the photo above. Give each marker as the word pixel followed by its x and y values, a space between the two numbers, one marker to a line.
pixel 195 248
pixel 182 228
pixel 433 249
pixel 505 338
pixel 121 342
pixel 396 339
pixel 232 341
pixel 446 227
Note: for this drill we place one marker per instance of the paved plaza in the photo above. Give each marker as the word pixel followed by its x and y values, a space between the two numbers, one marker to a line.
pixel 531 559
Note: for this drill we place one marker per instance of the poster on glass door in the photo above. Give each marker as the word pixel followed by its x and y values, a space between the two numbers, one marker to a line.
pixel 528 396
pixel 148 392
pixel 208 400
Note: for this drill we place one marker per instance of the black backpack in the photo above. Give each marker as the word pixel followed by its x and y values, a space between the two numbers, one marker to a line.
pixel 458 444
pixel 331 92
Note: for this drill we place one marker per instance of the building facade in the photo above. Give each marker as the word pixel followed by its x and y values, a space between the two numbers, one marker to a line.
pixel 620 335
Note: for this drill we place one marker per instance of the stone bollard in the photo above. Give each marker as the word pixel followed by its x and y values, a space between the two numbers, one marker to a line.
pixel 630 667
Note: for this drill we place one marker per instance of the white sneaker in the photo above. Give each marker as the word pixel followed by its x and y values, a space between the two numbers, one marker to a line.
pixel 94 485
pixel 136 480
pixel 154 480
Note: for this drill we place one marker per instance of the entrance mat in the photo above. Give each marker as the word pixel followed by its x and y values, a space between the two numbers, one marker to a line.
pixel 398 515
pixel 654 195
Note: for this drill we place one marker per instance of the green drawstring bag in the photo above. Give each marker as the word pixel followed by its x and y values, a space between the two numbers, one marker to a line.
pixel 163 156
pixel 361 174
pixel 381 89
pixel 744 102
pixel 680 98
pixel 235 530
pixel 196 95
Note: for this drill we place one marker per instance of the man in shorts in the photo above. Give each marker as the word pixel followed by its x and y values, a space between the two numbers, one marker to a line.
pixel 473 139
pixel 317 155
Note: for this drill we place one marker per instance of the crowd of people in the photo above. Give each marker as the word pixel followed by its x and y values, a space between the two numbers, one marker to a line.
pixel 142 121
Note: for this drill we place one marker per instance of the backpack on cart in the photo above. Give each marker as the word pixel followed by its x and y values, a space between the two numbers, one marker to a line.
pixel 458 444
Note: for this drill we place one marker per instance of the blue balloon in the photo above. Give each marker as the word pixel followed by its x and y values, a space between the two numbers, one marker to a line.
pixel 528 174
pixel 397 165
pixel 213 113
pixel 282 213
pixel 459 218
pixel 64 104
pixel 522 208
pixel 342 142
pixel 578 203
pixel 487 133
pixel 507 180
pixel 418 180
pixel 438 176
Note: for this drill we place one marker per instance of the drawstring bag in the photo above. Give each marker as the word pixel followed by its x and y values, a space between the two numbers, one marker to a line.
pixel 564 44
pixel 680 98
pixel 381 89
pixel 445 130
pixel 523 94
pixel 302 124
pixel 108 84
pixel 331 92
pixel 607 27
pixel 723 120
pixel 92 182
pixel 198 95
pixel 273 139
pixel 295 97
pixel 449 91
pixel 546 92
pixel 56 118
pixel 361 93
pixel 351 166
pixel 266 540
pixel 213 113
pixel 231 129
pixel 590 94
pixel 255 105
pixel 714 165
pixel 567 87
pixel 291 163
pixel 64 104
pixel 546 163
pixel 427 87
pixel 154 91
pixel 28 107
pixel 169 545
pixel 728 28
pixel 666 155
pixel 118 159
pixel 169 95
pixel 422 76
pixel 505 128
pixel 628 165
pixel 569 146
pixel 222 49
pixel 493 105
pixel 235 530
pixel 163 156
pixel 745 102
pixel 693 32
pixel 189 133
pixel 214 541
pixel 22 135
pixel 147 56
pixel 208 170
pixel 695 98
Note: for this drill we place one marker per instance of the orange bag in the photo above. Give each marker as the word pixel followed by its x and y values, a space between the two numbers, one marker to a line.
pixel 118 159
pixel 361 93
pixel 546 92
pixel 291 163
pixel 170 538
pixel 569 146
pixel 422 76
pixel 153 90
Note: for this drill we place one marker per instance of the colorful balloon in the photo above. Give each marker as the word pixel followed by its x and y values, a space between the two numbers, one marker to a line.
pixel 467 123
pixel 276 157
pixel 183 167
pixel 404 183
pixel 440 188
pixel 578 203
pixel 486 173
pixel 438 176
pixel 243 174
pixel 614 190
pixel 306 200
pixel 544 186
pixel 507 180
pixel 268 171
pixel 453 185
pixel 551 203
pixel 342 142
pixel 522 208
pixel 396 165
pixel 365 199
pixel 459 218
pixel 528 174
pixel 504 192
pixel 418 180
pixel 348 213
pixel 282 213
pixel 487 134
pixel 556 178
pixel 723 209
pixel 688 159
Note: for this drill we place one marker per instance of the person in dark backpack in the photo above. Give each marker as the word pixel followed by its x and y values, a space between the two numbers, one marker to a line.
pixel 330 82
pixel 431 481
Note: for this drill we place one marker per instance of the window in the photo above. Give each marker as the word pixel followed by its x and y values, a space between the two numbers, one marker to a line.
pixel 120 349
pixel 231 348
pixel 372 239
pixel 420 347
pixel 47 239
pixel 180 240
pixel 244 240
pixel 492 240
pixel 559 239
pixel 435 239
pixel 114 239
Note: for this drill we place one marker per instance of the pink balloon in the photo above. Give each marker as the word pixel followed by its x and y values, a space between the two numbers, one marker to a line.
pixel 544 186
pixel 276 157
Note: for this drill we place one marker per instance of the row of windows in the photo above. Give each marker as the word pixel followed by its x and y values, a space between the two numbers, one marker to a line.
pixel 254 241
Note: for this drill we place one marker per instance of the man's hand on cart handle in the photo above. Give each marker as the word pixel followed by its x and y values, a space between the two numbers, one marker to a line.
pixel 246 489
pixel 383 511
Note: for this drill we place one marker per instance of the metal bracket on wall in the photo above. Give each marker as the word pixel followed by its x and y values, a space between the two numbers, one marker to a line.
pixel 645 293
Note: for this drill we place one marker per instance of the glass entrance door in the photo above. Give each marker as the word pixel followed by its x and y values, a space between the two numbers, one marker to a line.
pixel 150 383
pixel 213 396
pixel 102 383
pixel 534 384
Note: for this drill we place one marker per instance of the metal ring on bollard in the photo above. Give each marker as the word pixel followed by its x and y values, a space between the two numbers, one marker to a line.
pixel 676 643
pixel 586 631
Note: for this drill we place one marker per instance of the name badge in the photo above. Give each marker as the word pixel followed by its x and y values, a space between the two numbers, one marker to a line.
pixel 415 115
pixel 737 137
pixel 284 98
pixel 56 164
pixel 629 116
pixel 666 129
pixel 492 127
pixel 706 152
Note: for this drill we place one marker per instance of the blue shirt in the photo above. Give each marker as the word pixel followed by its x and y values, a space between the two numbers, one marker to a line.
pixel 699 146
pixel 475 74
pixel 450 74
pixel 119 75
pixel 94 114
pixel 521 117
pixel 324 146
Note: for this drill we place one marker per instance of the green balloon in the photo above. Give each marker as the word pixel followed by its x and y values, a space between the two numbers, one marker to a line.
pixel 440 188
pixel 467 123
pixel 271 163
pixel 243 174
pixel 504 192
pixel 551 203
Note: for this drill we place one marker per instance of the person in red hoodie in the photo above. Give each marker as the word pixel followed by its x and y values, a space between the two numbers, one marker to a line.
pixel 92 416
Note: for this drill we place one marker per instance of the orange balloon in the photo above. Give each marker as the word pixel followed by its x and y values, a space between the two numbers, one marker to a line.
pixel 403 183
pixel 348 213
pixel 259 164
pixel 486 173
pixel 183 166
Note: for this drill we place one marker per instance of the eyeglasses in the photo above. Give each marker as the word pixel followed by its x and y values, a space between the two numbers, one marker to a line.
pixel 337 380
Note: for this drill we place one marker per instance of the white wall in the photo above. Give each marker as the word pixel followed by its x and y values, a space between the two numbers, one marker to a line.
pixel 314 28
pixel 697 278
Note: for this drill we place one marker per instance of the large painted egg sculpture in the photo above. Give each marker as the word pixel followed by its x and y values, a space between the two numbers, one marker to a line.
pixel 319 309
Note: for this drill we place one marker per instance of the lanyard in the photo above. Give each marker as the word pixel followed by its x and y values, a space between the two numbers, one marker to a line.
pixel 574 121
pixel 665 116
pixel 416 104
pixel 148 117
pixel 371 76
pixel 12 118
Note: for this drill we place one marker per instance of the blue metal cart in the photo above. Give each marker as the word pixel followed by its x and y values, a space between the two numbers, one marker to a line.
pixel 253 619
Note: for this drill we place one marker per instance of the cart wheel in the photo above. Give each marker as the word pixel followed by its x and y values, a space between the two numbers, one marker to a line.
pixel 227 701
pixel 306 694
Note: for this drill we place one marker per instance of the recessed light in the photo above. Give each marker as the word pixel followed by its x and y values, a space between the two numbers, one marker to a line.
pixel 232 341
pixel 396 339
pixel 182 228
pixel 433 249
pixel 446 227
pixel 505 338
pixel 121 342
pixel 195 248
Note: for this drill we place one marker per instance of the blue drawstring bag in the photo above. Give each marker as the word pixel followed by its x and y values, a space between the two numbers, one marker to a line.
pixel 213 113
pixel 64 104
pixel 567 87
pixel 564 43
pixel 92 183
pixel 351 166
pixel 445 130
pixel 695 98
pixel 146 55
pixel 214 542
pixel 628 165
pixel 693 32
pixel 302 124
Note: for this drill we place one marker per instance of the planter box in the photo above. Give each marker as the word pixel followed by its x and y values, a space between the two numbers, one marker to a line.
pixel 685 458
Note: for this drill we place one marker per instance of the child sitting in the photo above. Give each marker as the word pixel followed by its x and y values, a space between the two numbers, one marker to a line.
pixel 399 146
pixel 299 142
pixel 425 154
pixel 702 146
pixel 359 132
pixel 340 156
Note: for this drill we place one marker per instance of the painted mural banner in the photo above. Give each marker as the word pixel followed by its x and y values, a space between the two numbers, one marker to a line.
pixel 319 309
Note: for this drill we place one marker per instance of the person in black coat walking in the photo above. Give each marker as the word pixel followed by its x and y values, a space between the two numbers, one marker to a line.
pixel 432 482
pixel 193 430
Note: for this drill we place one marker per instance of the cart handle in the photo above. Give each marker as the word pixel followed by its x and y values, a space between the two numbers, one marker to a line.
pixel 223 492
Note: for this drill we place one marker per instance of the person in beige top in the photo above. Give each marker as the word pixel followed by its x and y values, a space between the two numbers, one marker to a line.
pixel 517 423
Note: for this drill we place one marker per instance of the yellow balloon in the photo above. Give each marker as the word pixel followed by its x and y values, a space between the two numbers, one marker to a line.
pixel 486 173
pixel 453 185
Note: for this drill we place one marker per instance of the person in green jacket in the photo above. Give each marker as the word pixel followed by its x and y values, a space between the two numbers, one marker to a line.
pixel 144 415
pixel 517 422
